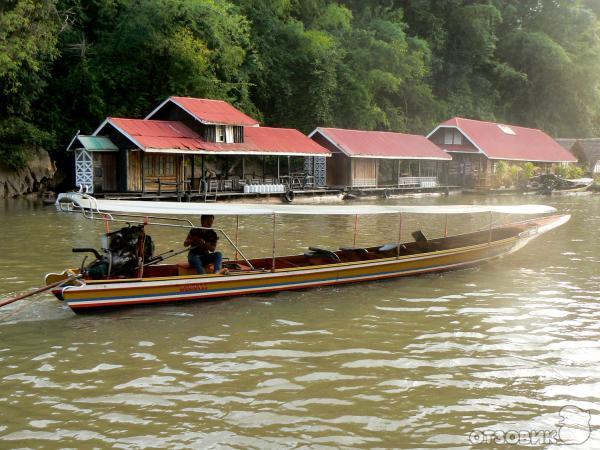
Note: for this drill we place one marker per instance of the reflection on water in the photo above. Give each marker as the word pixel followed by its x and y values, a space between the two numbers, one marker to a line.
pixel 417 362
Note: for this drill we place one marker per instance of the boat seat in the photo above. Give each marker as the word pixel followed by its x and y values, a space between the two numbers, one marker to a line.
pixel 422 242
pixel 316 251
pixel 184 268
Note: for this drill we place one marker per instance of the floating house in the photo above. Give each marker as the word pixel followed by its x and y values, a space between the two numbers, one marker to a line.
pixel 372 159
pixel 158 153
pixel 477 146
pixel 587 151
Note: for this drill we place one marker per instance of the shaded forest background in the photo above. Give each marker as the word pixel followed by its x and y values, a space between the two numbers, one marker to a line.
pixel 378 64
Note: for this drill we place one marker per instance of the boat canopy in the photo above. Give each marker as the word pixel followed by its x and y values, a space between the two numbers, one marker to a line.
pixel 244 209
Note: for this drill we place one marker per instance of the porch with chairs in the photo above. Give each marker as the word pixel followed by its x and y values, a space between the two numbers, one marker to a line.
pixel 213 175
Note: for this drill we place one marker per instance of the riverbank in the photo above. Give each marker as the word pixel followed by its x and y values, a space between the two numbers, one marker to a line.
pixel 35 177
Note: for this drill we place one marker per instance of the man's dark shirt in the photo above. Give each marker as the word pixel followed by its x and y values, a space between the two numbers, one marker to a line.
pixel 196 238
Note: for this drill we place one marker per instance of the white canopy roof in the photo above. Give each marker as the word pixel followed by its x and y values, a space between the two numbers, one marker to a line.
pixel 232 209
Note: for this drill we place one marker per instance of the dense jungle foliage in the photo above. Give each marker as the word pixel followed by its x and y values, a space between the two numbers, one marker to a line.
pixel 371 64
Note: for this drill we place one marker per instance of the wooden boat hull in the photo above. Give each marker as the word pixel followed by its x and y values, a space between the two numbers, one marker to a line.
pixel 113 293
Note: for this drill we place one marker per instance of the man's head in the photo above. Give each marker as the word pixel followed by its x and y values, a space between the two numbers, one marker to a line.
pixel 207 220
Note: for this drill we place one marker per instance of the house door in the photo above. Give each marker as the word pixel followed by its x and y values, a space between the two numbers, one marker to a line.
pixel 109 166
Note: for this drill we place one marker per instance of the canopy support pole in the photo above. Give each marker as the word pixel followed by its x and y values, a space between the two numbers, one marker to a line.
pixel 193 173
pixel 233 245
pixel 237 234
pixel 399 236
pixel 243 168
pixel 277 169
pixel 446 226
pixel 355 229
pixel 273 261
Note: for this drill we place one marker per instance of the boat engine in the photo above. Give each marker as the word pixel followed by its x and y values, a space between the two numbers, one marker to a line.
pixel 121 253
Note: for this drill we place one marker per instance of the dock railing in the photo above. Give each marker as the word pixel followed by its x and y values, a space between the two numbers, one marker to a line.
pixel 420 182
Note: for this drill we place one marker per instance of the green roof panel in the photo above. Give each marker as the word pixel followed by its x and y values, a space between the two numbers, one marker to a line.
pixel 97 143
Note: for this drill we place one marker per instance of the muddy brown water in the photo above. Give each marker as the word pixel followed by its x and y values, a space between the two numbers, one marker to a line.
pixel 417 362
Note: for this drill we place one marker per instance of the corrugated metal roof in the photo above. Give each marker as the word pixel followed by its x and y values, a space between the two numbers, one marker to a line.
pixel 382 144
pixel 213 111
pixel 96 143
pixel 285 140
pixel 158 133
pixel 172 136
pixel 519 144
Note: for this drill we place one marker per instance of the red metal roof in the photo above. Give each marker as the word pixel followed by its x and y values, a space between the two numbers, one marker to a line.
pixel 510 142
pixel 382 144
pixel 282 140
pixel 213 111
pixel 156 135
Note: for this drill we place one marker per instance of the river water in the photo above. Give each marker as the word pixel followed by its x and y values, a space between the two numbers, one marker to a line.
pixel 437 361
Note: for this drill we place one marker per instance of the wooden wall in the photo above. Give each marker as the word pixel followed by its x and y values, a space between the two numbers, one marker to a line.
pixel 105 171
pixel 169 168
pixel 469 170
pixel 134 171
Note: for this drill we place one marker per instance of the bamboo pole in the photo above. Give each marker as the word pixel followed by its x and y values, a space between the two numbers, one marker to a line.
pixel 39 291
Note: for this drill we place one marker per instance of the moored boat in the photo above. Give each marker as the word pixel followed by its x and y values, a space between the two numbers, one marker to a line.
pixel 153 282
pixel 554 184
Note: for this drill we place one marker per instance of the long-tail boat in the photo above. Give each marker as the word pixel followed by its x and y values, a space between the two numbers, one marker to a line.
pixel 125 272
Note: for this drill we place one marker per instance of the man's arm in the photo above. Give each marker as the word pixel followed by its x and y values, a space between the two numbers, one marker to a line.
pixel 210 241
pixel 194 241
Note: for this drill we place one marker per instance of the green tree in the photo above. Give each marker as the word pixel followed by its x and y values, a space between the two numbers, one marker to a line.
pixel 28 37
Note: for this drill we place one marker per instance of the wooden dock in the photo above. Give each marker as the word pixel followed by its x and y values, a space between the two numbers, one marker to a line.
pixel 391 191
pixel 224 196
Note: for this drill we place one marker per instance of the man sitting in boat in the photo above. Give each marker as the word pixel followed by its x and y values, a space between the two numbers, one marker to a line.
pixel 203 245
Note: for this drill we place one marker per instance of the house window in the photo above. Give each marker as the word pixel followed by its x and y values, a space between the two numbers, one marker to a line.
pixel 220 133
pixel 452 137
pixel 229 134
pixel 448 134
pixel 507 130
pixel 457 137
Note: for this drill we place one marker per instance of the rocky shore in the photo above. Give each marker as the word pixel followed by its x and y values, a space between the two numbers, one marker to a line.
pixel 35 177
